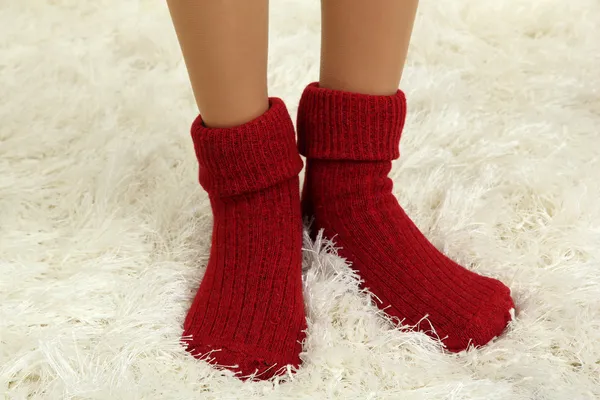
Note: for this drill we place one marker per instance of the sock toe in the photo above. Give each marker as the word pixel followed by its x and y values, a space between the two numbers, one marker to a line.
pixel 489 322
pixel 245 360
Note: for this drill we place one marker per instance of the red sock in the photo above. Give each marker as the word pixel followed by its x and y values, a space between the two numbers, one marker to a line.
pixel 349 140
pixel 249 306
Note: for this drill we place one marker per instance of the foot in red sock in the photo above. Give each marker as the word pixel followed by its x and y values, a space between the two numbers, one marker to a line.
pixel 248 314
pixel 349 140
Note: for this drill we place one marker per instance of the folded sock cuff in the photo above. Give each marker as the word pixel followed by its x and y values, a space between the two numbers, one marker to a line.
pixel 249 157
pixel 338 125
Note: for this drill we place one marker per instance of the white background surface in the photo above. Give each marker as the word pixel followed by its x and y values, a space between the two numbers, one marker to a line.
pixel 104 231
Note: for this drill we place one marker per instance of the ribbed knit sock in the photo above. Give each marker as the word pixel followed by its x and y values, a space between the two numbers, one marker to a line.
pixel 349 140
pixel 248 314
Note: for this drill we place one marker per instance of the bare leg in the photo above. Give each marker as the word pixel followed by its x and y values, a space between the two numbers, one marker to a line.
pixel 224 43
pixel 364 44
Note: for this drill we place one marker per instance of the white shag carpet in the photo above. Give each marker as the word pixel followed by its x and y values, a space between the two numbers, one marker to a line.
pixel 104 231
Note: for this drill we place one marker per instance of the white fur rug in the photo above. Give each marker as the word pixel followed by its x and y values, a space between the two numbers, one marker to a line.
pixel 104 231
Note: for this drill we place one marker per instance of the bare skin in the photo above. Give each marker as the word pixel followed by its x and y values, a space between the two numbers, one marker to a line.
pixel 224 44
pixel 364 44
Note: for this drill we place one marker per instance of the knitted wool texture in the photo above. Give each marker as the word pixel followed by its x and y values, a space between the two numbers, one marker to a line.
pixel 350 140
pixel 248 314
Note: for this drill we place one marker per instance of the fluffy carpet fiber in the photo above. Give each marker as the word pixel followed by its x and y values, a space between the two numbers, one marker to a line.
pixel 104 231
